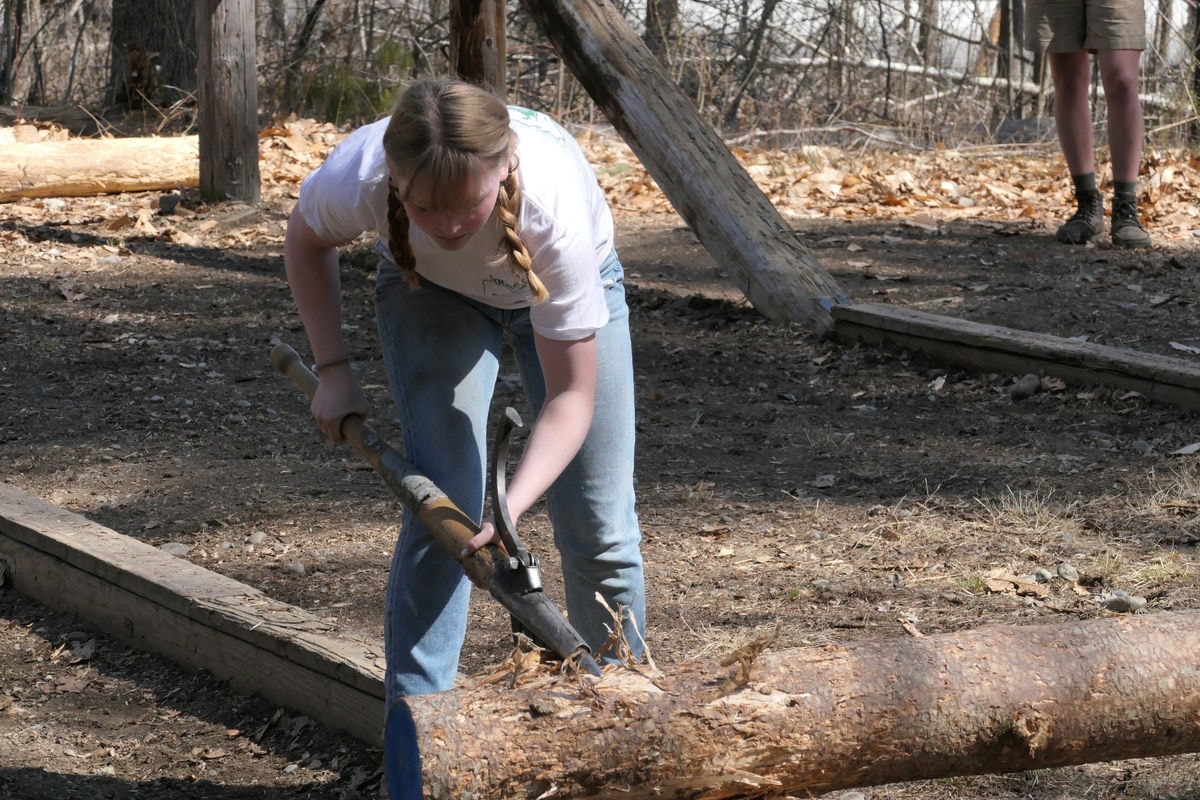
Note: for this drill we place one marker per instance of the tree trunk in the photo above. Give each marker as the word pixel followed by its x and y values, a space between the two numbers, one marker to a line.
pixel 750 60
pixel 12 24
pixel 927 33
pixel 1003 110
pixel 228 100
pixel 81 167
pixel 293 90
pixel 693 167
pixel 477 42
pixel 1194 77
pixel 1163 20
pixel 662 16
pixel 989 41
pixel 165 34
pixel 805 721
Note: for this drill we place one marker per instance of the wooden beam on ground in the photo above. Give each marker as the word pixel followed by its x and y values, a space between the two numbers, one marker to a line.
pixel 82 167
pixel 709 188
pixel 993 348
pixel 156 602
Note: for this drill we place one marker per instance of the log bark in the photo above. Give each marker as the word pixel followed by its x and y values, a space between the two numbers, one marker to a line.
pixel 796 722
pixel 706 184
pixel 81 167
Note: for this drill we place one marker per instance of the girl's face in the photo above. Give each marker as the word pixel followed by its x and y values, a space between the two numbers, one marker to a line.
pixel 453 223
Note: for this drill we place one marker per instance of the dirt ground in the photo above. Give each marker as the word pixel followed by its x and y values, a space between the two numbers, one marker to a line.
pixel 786 481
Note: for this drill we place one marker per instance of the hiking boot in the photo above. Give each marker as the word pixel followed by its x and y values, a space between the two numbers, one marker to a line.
pixel 1086 222
pixel 1127 229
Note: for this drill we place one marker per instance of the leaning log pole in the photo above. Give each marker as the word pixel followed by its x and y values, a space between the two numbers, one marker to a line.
pixel 705 183
pixel 796 722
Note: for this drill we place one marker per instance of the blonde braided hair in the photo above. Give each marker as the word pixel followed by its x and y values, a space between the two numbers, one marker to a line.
pixel 447 130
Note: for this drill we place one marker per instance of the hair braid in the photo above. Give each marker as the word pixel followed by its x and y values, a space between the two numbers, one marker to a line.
pixel 508 207
pixel 398 243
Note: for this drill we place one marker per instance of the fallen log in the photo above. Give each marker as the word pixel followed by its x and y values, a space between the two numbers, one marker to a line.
pixel 82 167
pixel 766 724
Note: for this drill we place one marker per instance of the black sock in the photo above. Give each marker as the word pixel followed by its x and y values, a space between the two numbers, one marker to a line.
pixel 1126 188
pixel 1084 183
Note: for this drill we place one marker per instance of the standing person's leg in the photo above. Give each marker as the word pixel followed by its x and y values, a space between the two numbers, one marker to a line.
pixel 1060 29
pixel 1126 131
pixel 1126 127
pixel 442 357
pixel 1073 123
pixel 1072 109
pixel 592 505
pixel 1117 34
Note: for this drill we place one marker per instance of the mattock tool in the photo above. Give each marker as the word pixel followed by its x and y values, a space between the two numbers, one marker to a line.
pixel 520 568
pixel 517 586
pixel 519 571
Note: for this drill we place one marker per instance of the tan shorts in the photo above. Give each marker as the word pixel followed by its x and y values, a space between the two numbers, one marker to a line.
pixel 1065 26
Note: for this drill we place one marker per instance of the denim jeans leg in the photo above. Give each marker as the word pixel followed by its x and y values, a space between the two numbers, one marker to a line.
pixel 592 504
pixel 442 358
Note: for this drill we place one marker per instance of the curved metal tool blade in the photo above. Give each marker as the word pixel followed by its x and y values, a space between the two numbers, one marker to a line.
pixel 503 522
pixel 518 576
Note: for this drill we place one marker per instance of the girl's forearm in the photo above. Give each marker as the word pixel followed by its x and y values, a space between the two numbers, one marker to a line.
pixel 312 273
pixel 557 435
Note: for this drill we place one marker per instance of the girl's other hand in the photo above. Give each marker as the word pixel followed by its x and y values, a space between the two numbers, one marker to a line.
pixel 337 397
pixel 487 535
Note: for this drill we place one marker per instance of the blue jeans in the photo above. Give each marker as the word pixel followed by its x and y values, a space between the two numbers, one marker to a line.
pixel 442 353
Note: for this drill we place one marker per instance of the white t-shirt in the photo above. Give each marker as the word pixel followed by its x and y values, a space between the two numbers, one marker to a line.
pixel 565 223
